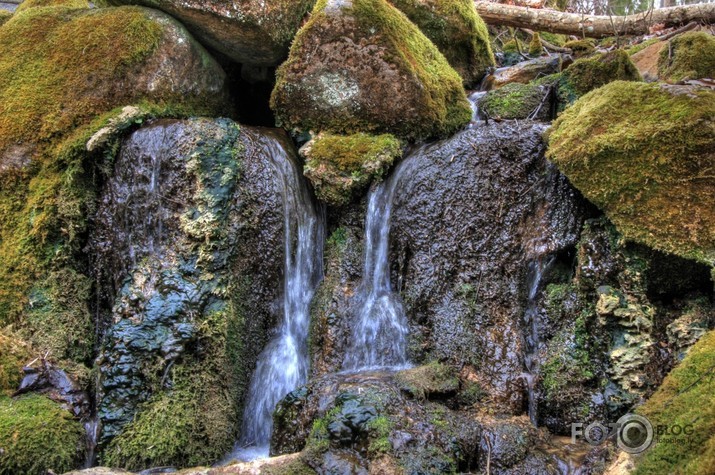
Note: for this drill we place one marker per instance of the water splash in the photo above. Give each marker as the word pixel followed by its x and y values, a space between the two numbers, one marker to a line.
pixel 535 278
pixel 283 364
pixel 379 338
pixel 477 116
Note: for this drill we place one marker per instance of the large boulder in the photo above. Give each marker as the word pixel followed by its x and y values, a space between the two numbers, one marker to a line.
pixel 362 66
pixel 587 74
pixel 457 30
pixel 643 154
pixel 247 31
pixel 688 56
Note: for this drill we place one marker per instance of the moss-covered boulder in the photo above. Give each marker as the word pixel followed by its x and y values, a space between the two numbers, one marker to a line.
pixel 684 400
pixel 340 166
pixel 457 30
pixel 362 66
pixel 688 56
pixel 516 101
pixel 581 48
pixel 14 354
pixel 37 435
pixel 63 70
pixel 431 381
pixel 643 154
pixel 248 31
pixel 587 74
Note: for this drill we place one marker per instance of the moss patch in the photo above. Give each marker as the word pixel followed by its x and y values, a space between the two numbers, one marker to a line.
pixel 587 74
pixel 514 101
pixel 403 84
pixel 37 435
pixel 341 166
pixel 535 46
pixel 27 4
pixel 685 399
pixel 643 153
pixel 457 30
pixel 688 56
pixel 432 380
pixel 14 354
pixel 4 16
pixel 581 48
pixel 641 46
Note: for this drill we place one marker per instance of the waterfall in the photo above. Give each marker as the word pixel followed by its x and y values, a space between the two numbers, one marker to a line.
pixel 283 365
pixel 379 338
pixel 534 281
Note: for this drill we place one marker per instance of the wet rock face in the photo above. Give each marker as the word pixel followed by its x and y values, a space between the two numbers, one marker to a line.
pixel 469 216
pixel 189 227
pixel 247 31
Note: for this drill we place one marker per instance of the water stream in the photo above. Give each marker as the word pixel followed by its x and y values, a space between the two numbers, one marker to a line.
pixel 283 365
pixel 379 338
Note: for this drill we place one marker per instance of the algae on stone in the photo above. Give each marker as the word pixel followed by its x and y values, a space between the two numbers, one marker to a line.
pixel 362 66
pixel 457 30
pixel 341 166
pixel 643 153
pixel 688 56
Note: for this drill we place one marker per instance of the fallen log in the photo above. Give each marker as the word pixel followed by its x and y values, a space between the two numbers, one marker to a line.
pixel 593 26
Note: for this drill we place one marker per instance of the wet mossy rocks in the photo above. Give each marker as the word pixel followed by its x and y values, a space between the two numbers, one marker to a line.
pixel 587 74
pixel 685 400
pixel 341 166
pixel 63 72
pixel 362 66
pixel 688 56
pixel 457 30
pixel 643 153
pixel 247 31
pixel 37 435
pixel 516 101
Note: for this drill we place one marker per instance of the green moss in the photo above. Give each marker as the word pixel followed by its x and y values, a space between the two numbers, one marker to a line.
pixel 642 153
pixel 587 74
pixel 688 56
pixel 341 166
pixel 433 379
pixel 36 435
pixel 4 16
pixel 440 105
pixel 26 4
pixel 14 354
pixel 513 101
pixel 514 46
pixel 641 46
pixel 380 429
pixel 535 46
pixel 554 38
pixel 684 399
pixel 581 48
pixel 457 30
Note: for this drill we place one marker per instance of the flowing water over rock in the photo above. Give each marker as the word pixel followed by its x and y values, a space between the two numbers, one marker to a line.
pixel 283 364
pixel 379 336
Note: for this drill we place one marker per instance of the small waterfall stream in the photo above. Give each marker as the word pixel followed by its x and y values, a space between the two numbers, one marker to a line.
pixel 379 338
pixel 534 284
pixel 283 364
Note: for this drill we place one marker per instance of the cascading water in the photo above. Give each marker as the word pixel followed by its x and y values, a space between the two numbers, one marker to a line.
pixel 379 338
pixel 283 364
pixel 535 276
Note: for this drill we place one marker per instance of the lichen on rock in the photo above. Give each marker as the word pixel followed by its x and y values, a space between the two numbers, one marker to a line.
pixel 362 66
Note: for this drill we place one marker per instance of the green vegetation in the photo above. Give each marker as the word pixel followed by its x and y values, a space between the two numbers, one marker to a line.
pixel 684 399
pixel 437 99
pixel 432 379
pixel 641 46
pixel 513 101
pixel 642 152
pixel 581 48
pixel 535 46
pixel 554 38
pixel 688 56
pixel 457 30
pixel 14 354
pixel 37 435
pixel 380 429
pixel 514 46
pixel 587 74
pixel 340 166
pixel 4 16
pixel 27 4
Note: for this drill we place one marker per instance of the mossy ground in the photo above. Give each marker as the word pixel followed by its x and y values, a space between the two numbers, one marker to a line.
pixel 641 153
pixel 587 74
pixel 14 354
pixel 688 56
pixel 457 30
pixel 37 435
pixel 443 109
pixel 684 399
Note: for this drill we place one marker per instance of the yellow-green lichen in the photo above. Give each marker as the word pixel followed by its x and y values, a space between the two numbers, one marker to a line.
pixel 457 30
pixel 587 74
pixel 685 400
pixel 37 435
pixel 643 153
pixel 688 56
pixel 339 166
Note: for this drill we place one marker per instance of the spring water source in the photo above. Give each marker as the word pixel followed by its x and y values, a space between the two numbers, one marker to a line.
pixel 283 364
pixel 379 338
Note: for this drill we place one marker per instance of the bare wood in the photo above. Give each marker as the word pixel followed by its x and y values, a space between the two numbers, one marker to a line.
pixel 593 26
